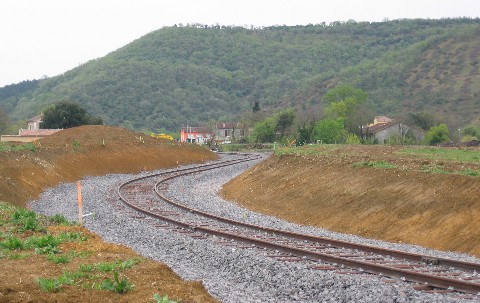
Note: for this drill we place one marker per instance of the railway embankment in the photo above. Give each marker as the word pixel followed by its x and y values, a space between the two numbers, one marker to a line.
pixel 387 193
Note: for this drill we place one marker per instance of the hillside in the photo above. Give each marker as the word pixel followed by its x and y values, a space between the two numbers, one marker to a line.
pixel 196 74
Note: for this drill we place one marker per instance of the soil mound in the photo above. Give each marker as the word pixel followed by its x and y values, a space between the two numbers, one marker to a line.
pixel 71 154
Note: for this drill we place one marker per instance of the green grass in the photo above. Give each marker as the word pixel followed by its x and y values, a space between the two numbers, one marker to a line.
pixel 446 154
pixel 60 220
pixel 375 164
pixel 17 147
pixel 323 149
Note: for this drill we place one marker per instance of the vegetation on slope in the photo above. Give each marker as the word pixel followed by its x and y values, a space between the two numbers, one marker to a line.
pixel 198 74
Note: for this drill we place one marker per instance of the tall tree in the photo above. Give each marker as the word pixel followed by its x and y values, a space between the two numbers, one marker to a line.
pixel 4 121
pixel 66 114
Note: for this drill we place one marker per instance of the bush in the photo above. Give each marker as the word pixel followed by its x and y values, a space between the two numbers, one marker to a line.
pixel 437 134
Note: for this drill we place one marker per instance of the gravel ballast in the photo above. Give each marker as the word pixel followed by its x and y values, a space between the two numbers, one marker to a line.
pixel 229 273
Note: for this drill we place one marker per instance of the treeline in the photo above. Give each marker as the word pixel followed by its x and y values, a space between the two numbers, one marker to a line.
pixel 197 74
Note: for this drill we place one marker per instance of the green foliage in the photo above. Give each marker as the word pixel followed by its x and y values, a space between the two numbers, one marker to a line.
pixel 264 131
pixel 66 114
pixel 12 243
pixel 329 131
pixel 449 154
pixel 26 219
pixel 471 131
pixel 422 120
pixel 59 219
pixel 4 121
pixel 353 139
pixel 118 285
pixel 375 164
pixel 437 134
pixel 164 299
pixel 10 147
pixel 58 259
pixel 49 285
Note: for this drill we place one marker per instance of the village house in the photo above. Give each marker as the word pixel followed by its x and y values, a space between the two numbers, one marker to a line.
pixel 197 135
pixel 385 130
pixel 32 133
pixel 220 133
pixel 228 132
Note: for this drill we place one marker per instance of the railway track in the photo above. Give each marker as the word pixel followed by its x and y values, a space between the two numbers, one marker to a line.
pixel 147 195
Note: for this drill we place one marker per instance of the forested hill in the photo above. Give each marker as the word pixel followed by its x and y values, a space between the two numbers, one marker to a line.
pixel 195 74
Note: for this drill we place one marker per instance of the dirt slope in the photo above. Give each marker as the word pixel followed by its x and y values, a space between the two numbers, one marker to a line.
pixel 70 154
pixel 401 205
pixel 67 156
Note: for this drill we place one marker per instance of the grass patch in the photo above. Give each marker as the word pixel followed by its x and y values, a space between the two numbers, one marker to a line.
pixel 60 220
pixel 17 147
pixel 448 154
pixel 375 164
pixel 315 150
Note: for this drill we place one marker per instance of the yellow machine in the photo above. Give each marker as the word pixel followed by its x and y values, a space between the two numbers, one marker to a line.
pixel 162 136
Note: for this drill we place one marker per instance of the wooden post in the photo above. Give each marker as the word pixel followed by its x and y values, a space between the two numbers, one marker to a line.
pixel 80 212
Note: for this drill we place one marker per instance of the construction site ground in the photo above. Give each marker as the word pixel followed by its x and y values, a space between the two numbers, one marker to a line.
pixel 334 187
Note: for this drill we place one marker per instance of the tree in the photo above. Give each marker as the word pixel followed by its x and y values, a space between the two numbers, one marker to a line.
pixel 437 134
pixel 66 114
pixel 284 121
pixel 423 120
pixel 347 103
pixel 264 131
pixel 4 121
pixel 329 131
pixel 256 107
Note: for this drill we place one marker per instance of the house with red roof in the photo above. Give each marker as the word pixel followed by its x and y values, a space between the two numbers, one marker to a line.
pixel 389 131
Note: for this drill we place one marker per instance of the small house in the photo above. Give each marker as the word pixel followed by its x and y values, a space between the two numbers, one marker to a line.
pixel 197 135
pixel 385 130
pixel 227 132
pixel 32 133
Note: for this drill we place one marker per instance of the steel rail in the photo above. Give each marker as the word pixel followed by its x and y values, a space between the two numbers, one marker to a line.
pixel 435 281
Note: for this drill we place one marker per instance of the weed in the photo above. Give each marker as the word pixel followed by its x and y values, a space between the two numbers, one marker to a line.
pixel 434 169
pixel 127 264
pixel 47 250
pixel 59 219
pixel 164 299
pixel 12 243
pixel 105 267
pixel 71 237
pixel 18 256
pixel 27 219
pixel 86 267
pixel 58 259
pixel 469 172
pixel 119 285
pixel 375 164
pixel 50 285
pixel 44 241
pixel 76 145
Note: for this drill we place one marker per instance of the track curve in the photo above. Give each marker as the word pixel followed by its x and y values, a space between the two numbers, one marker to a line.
pixel 144 194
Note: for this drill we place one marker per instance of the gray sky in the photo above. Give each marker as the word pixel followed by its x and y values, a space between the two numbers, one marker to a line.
pixel 49 37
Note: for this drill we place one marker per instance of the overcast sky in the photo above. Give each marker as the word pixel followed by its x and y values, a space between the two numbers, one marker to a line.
pixel 48 37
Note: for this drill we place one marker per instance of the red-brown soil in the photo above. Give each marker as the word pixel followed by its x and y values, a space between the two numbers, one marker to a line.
pixel 401 205
pixel 67 156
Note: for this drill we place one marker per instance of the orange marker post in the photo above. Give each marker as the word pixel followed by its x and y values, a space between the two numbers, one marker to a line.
pixel 80 212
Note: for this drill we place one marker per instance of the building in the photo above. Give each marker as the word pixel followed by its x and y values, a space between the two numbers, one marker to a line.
pixel 220 133
pixel 197 135
pixel 385 130
pixel 32 133
pixel 227 132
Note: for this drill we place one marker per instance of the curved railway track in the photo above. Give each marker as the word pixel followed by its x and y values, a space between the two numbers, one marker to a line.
pixel 146 195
